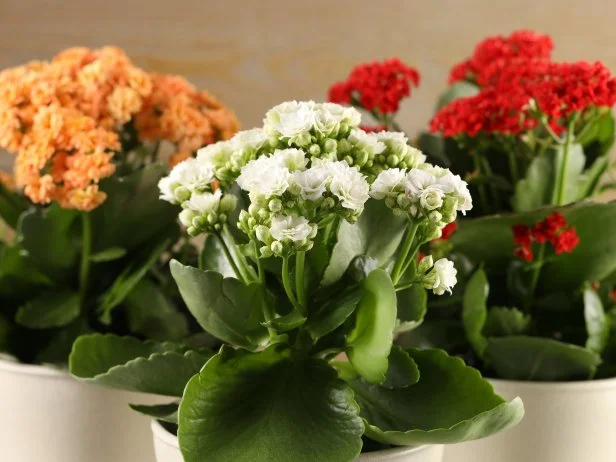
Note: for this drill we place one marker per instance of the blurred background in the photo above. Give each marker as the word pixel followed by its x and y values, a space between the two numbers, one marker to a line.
pixel 255 54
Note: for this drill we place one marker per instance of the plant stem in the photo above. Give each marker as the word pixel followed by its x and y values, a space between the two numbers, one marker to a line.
pixel 559 194
pixel 513 166
pixel 286 282
pixel 483 194
pixel 534 279
pixel 227 252
pixel 409 237
pixel 247 271
pixel 260 271
pixel 86 248
pixel 300 288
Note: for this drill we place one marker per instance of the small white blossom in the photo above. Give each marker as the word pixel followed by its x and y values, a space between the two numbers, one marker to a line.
pixel 388 182
pixel 293 159
pixel 252 140
pixel 366 141
pixel 203 203
pixel 414 157
pixel 460 188
pixel 441 278
pixel 289 228
pixel 166 188
pixel 416 181
pixel 329 116
pixel 191 175
pixel 265 176
pixel 348 185
pixel 394 140
pixel 290 120
pixel 431 198
pixel 312 182
pixel 215 155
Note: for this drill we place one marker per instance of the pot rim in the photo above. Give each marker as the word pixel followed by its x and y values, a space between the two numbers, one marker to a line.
pixel 34 369
pixel 171 440
pixel 574 385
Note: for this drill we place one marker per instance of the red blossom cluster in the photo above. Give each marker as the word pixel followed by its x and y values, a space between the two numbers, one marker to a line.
pixel 373 128
pixel 558 91
pixel 613 295
pixel 554 229
pixel 376 86
pixel 498 51
pixel 448 230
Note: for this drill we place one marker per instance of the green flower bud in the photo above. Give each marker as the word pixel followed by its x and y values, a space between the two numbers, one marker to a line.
pixel 425 264
pixel 314 150
pixel 222 217
pixel 275 205
pixel 348 159
pixel 276 247
pixel 266 252
pixel 329 202
pixel 263 233
pixel 228 202
pixel 181 194
pixel 330 146
pixel 193 231
pixel 393 160
pixel 212 218
pixel 344 146
pixel 361 159
pixel 200 222
pixel 263 214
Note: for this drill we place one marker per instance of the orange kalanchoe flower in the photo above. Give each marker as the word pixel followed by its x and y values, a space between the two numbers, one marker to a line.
pixel 176 112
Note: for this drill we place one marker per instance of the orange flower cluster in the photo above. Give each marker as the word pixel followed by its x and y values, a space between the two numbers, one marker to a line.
pixel 61 118
pixel 6 180
pixel 176 112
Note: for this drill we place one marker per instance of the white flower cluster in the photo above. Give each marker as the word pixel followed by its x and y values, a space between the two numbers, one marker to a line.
pixel 439 276
pixel 424 192
pixel 288 198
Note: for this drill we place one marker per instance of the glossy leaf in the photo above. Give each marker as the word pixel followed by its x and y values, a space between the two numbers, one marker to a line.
pixel 291 408
pixel 412 308
pixel 474 310
pixel 110 254
pixel 227 308
pixel 402 371
pixel 450 403
pixel 19 278
pixel 597 323
pixel 333 313
pixel 503 321
pixel 162 412
pixel 50 309
pixel 369 343
pixel 213 258
pixel 151 314
pixel 12 205
pixel 134 365
pixel 377 234
pixel 540 359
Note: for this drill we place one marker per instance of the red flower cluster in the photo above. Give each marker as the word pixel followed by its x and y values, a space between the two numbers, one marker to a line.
pixel 613 295
pixel 497 52
pixel 376 86
pixel 448 230
pixel 553 229
pixel 373 128
pixel 558 90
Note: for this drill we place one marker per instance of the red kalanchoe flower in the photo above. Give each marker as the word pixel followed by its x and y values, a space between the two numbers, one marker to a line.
pixel 498 51
pixel 373 128
pixel 566 241
pixel 522 235
pixel 448 230
pixel 376 86
pixel 525 253
pixel 554 229
pixel 613 295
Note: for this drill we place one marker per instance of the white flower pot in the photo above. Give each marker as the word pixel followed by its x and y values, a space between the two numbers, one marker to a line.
pixel 564 422
pixel 167 450
pixel 47 416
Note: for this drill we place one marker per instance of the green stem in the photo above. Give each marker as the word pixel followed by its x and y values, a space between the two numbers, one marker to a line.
pixel 558 198
pixel 286 282
pixel 534 279
pixel 409 237
pixel 300 288
pixel 488 171
pixel 260 271
pixel 86 248
pixel 244 267
pixel 481 187
pixel 557 139
pixel 513 167
pixel 230 258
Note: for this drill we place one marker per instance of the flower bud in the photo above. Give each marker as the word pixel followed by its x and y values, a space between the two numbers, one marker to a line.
pixel 275 205
pixel 349 160
pixel 329 203
pixel 276 247
pixel 186 217
pixel 425 264
pixel 212 218
pixel 263 233
pixel 222 217
pixel 435 217
pixel 330 146
pixel 181 194
pixel 228 202
pixel 344 146
pixel 199 222
pixel 314 150
pixel 393 160
pixel 266 252
pixel 263 214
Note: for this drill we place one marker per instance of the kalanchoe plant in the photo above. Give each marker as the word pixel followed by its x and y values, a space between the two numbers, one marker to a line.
pixel 308 273
pixel 89 240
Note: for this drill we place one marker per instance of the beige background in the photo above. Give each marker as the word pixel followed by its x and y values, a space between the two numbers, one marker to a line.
pixel 254 54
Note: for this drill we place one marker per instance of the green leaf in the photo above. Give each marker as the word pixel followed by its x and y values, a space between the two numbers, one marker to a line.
pixel 402 371
pixel 150 313
pixel 163 412
pixel 377 234
pixel 461 89
pixel 544 174
pixel 450 403
pixel 227 308
pixel 129 278
pixel 132 213
pixel 134 365
pixel 19 278
pixel 12 205
pixel 412 307
pixel 110 254
pixel 503 321
pixel 213 257
pixel 51 309
pixel 597 323
pixel 331 315
pixel 540 359
pixel 47 235
pixel 589 183
pixel 369 343
pixel 599 138
pixel 288 322
pixel 290 406
pixel 474 310
pixel 490 240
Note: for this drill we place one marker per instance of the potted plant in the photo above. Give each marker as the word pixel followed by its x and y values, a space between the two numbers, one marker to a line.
pixel 532 307
pixel 308 273
pixel 86 241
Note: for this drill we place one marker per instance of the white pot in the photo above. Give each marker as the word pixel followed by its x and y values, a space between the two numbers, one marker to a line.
pixel 47 416
pixel 167 450
pixel 564 422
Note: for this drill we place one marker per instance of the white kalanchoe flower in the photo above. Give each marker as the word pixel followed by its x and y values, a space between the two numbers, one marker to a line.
pixel 431 198
pixel 291 121
pixel 289 228
pixel 312 183
pixel 366 141
pixel 215 155
pixel 185 178
pixel 460 188
pixel 416 181
pixel 441 278
pixel 265 176
pixel 293 159
pixel 204 203
pixel 330 116
pixel 390 181
pixel 348 185
pixel 250 140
